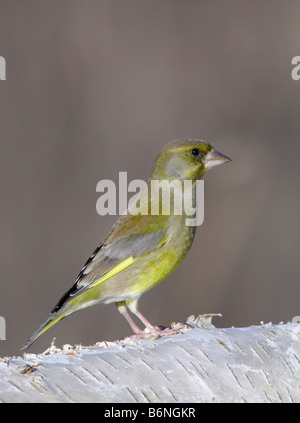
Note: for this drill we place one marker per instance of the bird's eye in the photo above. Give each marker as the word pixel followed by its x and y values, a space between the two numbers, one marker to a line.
pixel 195 151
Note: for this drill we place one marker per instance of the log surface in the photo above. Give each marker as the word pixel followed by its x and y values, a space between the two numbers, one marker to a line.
pixel 199 364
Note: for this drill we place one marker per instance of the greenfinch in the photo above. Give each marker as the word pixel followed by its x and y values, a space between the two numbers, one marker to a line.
pixel 141 249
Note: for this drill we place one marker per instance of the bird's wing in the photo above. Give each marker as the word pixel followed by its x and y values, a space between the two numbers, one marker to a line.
pixel 130 239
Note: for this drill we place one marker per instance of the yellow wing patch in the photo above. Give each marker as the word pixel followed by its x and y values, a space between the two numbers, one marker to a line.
pixel 117 269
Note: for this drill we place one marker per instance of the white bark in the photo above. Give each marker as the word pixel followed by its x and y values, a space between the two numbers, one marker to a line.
pixel 199 364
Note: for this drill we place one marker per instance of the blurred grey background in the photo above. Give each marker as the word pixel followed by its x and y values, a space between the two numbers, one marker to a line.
pixel 98 87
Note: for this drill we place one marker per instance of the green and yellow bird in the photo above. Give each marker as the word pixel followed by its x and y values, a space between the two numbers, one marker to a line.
pixel 141 250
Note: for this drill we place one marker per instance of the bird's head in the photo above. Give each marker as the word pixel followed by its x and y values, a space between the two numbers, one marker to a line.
pixel 186 159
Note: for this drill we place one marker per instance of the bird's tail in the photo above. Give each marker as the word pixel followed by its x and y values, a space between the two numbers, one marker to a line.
pixel 51 321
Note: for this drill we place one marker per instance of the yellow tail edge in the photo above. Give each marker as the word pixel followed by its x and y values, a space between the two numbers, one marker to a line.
pixel 51 321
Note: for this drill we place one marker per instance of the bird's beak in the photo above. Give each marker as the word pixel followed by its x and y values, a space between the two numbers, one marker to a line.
pixel 215 158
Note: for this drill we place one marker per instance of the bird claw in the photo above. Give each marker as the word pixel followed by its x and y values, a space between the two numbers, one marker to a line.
pixel 159 331
pixel 173 330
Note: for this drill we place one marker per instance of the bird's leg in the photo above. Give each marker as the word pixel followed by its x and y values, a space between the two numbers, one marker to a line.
pixel 155 330
pixel 132 304
pixel 145 321
pixel 122 309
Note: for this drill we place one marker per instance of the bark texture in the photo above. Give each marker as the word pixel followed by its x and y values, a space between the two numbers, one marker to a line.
pixel 199 364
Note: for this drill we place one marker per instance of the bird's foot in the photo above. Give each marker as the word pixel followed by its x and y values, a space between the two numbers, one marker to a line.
pixel 159 331
pixel 163 331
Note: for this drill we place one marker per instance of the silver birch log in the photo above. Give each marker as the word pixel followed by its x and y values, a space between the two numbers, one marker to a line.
pixel 200 363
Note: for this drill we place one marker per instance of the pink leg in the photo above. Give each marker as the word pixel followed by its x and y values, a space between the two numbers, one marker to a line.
pixel 144 320
pixel 155 329
pixel 152 330
pixel 122 309
pixel 134 327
